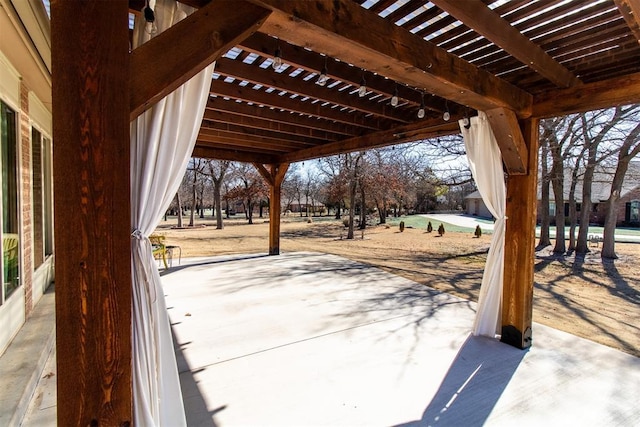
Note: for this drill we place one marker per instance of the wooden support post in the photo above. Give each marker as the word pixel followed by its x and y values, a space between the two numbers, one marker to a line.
pixel 90 60
pixel 517 297
pixel 274 176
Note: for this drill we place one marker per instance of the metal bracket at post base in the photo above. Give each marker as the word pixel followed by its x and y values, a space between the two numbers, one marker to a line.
pixel 512 336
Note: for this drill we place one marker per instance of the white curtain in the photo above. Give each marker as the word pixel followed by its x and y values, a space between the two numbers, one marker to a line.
pixel 485 161
pixel 162 141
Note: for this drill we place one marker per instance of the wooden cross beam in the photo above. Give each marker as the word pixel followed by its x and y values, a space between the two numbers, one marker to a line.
pixel 476 15
pixel 506 129
pixel 346 31
pixel 165 62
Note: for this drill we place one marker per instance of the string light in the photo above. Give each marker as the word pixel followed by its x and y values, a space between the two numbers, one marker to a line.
pixel 394 98
pixel 277 59
pixel 362 90
pixel 446 116
pixel 324 75
pixel 421 110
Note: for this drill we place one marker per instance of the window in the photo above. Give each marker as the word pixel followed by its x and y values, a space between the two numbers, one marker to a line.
pixel 9 189
pixel 38 200
pixel 42 195
pixel 634 211
pixel 552 209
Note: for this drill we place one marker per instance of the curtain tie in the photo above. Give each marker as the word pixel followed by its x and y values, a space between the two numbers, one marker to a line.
pixel 137 234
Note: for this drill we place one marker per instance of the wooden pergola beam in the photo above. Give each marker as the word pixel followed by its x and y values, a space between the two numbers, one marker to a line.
pixel 260 97
pixel 168 60
pixel 273 115
pixel 251 131
pixel 589 96
pixel 408 133
pixel 292 131
pixel 92 212
pixel 255 143
pixel 346 31
pixel 519 248
pixel 300 57
pixel 476 15
pixel 283 82
pixel 207 152
pixel 506 129
pixel 630 11
pixel 274 176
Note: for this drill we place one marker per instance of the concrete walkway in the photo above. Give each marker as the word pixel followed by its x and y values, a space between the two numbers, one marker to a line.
pixel 470 222
pixel 312 339
pixel 24 363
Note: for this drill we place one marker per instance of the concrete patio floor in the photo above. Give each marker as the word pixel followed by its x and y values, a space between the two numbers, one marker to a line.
pixel 311 339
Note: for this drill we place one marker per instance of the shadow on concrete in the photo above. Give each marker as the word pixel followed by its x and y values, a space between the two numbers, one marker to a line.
pixel 195 406
pixel 473 385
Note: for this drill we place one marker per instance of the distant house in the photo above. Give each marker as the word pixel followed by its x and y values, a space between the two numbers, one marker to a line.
pixel 476 207
pixel 314 207
pixel 628 209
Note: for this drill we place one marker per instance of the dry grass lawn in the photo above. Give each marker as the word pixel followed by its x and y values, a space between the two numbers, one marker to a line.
pixel 585 297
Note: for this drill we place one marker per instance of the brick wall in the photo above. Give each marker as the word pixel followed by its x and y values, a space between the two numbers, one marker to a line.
pixel 25 196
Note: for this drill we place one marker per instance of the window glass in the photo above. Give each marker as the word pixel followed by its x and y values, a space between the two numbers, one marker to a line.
pixel 634 213
pixel 10 238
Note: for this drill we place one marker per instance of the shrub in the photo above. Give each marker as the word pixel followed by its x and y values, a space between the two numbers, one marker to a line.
pixel 441 229
pixel 401 226
pixel 478 232
pixel 429 227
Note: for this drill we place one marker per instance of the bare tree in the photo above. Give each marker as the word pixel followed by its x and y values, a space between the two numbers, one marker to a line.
pixel 291 187
pixel 217 172
pixel 545 193
pixel 561 136
pixel 249 187
pixel 195 168
pixel 629 149
pixel 596 128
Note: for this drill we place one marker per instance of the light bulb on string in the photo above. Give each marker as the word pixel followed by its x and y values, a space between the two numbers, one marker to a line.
pixel 446 116
pixel 324 75
pixel 277 59
pixel 421 111
pixel 362 90
pixel 394 98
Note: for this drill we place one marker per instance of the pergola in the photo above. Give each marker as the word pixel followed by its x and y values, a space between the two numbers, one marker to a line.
pixel 517 60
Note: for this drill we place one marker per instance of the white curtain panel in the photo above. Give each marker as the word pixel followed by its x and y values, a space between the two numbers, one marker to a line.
pixel 485 161
pixel 162 141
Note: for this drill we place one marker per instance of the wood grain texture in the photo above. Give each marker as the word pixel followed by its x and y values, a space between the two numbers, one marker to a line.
pixel 274 116
pixel 630 11
pixel 215 152
pixel 168 60
pixel 281 81
pixel 274 175
pixel 476 15
pixel 346 31
pixel 407 133
pixel 506 129
pixel 590 96
pixel 519 250
pixel 260 97
pixel 92 212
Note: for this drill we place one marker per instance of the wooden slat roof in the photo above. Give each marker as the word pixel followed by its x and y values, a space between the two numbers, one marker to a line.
pixel 535 58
